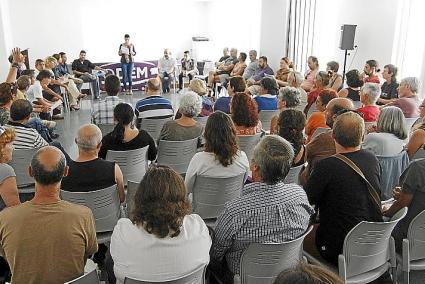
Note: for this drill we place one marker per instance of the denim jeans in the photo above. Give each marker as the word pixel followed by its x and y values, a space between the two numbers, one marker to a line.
pixel 38 125
pixel 127 71
pixel 165 81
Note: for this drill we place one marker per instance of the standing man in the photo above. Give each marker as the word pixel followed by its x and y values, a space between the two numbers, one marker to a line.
pixel 188 69
pixel 166 68
pixel 127 53
pixel 83 68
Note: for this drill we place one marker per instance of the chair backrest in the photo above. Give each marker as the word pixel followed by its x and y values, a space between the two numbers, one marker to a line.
pixel 177 154
pixel 357 104
pixel 106 128
pixel 416 237
pixel 195 277
pixel 131 192
pixel 20 162
pixel 153 126
pixel 261 263
pixel 392 168
pixel 367 245
pixel 133 163
pixel 247 143
pixel 313 108
pixel 292 176
pixel 88 278
pixel 266 118
pixel 419 154
pixel 319 131
pixel 211 193
pixel 202 120
pixel 410 122
pixel 104 203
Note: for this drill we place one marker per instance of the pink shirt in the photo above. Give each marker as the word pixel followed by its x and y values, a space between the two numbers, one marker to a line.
pixel 409 106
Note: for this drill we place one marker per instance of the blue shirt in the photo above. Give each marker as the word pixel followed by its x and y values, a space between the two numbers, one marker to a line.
pixel 261 73
pixel 266 102
pixel 154 107
pixel 223 104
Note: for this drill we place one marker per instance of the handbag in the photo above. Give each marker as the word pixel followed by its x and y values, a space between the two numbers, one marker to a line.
pixel 370 188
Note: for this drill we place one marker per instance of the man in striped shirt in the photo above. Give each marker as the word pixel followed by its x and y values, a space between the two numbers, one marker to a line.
pixel 103 111
pixel 154 106
pixel 269 211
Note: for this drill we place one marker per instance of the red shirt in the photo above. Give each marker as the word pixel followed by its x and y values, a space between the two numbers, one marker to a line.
pixel 373 79
pixel 311 99
pixel 370 113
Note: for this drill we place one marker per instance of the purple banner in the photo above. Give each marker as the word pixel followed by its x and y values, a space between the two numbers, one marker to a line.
pixel 142 72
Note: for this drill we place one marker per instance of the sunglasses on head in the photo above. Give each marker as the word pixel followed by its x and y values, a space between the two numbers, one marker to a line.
pixel 349 110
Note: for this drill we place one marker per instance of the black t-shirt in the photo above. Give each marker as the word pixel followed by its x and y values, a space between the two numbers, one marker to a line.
pixel 354 95
pixel 342 198
pixel 389 91
pixel 89 176
pixel 85 66
pixel 141 140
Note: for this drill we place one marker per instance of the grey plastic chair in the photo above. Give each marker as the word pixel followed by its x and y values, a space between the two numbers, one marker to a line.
pixel 357 104
pixel 392 168
pixel 88 278
pixel 266 118
pixel 20 162
pixel 261 263
pixel 369 251
pixel 195 277
pixel 419 154
pixel 106 128
pixel 247 143
pixel 129 198
pixel 319 131
pixel 133 163
pixel 409 122
pixel 413 254
pixel 202 120
pixel 211 193
pixel 177 154
pixel 293 174
pixel 153 126
pixel 312 109
pixel 105 205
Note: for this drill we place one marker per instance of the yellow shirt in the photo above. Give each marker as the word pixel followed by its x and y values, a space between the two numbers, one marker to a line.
pixel 21 95
pixel 47 243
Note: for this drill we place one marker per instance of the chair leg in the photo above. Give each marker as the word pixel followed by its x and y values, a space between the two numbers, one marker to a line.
pixel 394 274
pixel 405 277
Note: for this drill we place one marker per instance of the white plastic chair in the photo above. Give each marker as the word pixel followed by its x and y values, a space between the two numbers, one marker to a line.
pixel 153 126
pixel 20 162
pixel 413 254
pixel 410 122
pixel 88 278
pixel 266 118
pixel 211 193
pixel 357 104
pixel 129 197
pixel 319 131
pixel 292 176
pixel 312 109
pixel 177 154
pixel 202 120
pixel 369 251
pixel 133 163
pixel 261 263
pixel 247 143
pixel 106 128
pixel 105 205
pixel 195 277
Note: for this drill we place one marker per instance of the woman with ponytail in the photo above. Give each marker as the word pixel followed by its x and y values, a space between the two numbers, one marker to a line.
pixel 125 136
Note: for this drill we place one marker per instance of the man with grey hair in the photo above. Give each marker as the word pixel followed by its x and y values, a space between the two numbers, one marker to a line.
pixel 47 240
pixel 224 57
pixel 369 95
pixel 269 211
pixel 340 193
pixel 252 66
pixel 223 69
pixel 288 98
pixel 166 70
pixel 409 100
pixel 88 172
pixel 323 146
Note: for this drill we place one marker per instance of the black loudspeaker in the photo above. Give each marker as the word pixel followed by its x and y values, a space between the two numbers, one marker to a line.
pixel 348 32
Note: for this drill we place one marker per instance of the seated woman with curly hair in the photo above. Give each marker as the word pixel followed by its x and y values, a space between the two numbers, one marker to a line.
pixel 221 157
pixel 245 114
pixel 162 241
pixel 290 126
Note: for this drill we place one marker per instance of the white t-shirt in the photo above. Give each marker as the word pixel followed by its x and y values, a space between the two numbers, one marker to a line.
pixel 205 164
pixel 383 144
pixel 143 256
pixel 35 91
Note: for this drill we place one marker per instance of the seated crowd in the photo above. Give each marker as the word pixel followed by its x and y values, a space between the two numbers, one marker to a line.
pixel 334 134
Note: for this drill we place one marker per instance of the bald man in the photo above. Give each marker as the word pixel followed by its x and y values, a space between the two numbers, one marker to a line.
pixel 153 106
pixel 323 145
pixel 47 240
pixel 341 195
pixel 88 172
pixel 166 70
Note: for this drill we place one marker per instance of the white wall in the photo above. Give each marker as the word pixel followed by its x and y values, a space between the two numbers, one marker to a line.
pixel 375 22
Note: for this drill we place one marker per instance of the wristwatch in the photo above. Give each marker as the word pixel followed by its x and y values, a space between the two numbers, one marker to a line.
pixel 15 65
